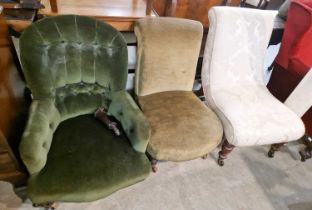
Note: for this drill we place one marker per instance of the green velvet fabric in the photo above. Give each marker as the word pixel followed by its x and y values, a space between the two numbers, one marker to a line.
pixel 37 137
pixel 73 65
pixel 137 127
pixel 86 162
pixel 69 50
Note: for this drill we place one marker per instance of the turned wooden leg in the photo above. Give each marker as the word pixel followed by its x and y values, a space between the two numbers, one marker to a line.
pixel 47 205
pixel 205 156
pixel 306 153
pixel 225 150
pixel 153 162
pixel 102 115
pixel 274 148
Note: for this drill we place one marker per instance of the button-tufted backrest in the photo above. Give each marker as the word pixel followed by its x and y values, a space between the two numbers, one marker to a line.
pixel 72 54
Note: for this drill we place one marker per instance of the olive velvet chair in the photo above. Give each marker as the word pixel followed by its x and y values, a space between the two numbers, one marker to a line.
pixel 182 126
pixel 73 65
pixel 233 80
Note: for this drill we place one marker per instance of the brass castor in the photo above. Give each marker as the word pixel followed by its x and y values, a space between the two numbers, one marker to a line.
pixel 306 153
pixel 274 148
pixel 220 162
pixel 204 157
pixel 271 153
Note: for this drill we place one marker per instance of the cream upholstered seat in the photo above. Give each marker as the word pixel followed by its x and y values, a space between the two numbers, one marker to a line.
pixel 233 82
pixel 183 128
pixel 251 118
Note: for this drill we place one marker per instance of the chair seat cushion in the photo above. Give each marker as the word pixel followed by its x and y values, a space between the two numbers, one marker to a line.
pixel 86 162
pixel 183 127
pixel 252 116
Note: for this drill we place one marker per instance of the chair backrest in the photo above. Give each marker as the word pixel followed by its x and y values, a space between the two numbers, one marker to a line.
pixel 167 55
pixel 260 4
pixel 296 42
pixel 236 46
pixel 72 54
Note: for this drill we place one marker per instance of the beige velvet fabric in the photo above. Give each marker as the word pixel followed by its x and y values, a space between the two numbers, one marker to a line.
pixel 183 127
pixel 167 54
pixel 232 78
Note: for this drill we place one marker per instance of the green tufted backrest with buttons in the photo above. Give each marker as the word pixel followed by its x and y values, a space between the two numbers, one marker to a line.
pixel 73 54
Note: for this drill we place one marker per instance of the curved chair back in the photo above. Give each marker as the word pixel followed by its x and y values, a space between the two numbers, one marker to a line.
pixel 72 54
pixel 166 62
pixel 241 35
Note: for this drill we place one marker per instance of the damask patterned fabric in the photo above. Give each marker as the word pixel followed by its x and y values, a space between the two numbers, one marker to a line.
pixel 233 81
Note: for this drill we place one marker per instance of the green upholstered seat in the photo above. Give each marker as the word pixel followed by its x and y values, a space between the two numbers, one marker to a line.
pixel 73 65
pixel 86 161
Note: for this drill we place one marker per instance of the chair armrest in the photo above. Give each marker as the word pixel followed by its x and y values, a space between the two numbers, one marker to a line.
pixel 300 100
pixel 37 137
pixel 136 126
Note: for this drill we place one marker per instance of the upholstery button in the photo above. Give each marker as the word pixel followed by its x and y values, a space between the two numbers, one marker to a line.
pixel 45 145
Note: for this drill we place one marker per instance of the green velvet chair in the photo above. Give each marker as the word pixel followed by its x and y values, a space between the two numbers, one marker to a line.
pixel 73 65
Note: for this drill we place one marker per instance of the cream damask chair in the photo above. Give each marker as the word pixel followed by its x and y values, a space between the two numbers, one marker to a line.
pixel 182 127
pixel 233 83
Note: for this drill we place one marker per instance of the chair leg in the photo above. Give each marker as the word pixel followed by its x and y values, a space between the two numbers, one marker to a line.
pixel 47 205
pixel 204 157
pixel 306 153
pixel 225 150
pixel 153 162
pixel 274 148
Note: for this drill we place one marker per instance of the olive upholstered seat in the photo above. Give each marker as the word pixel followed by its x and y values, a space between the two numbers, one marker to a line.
pixel 182 127
pixel 73 65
